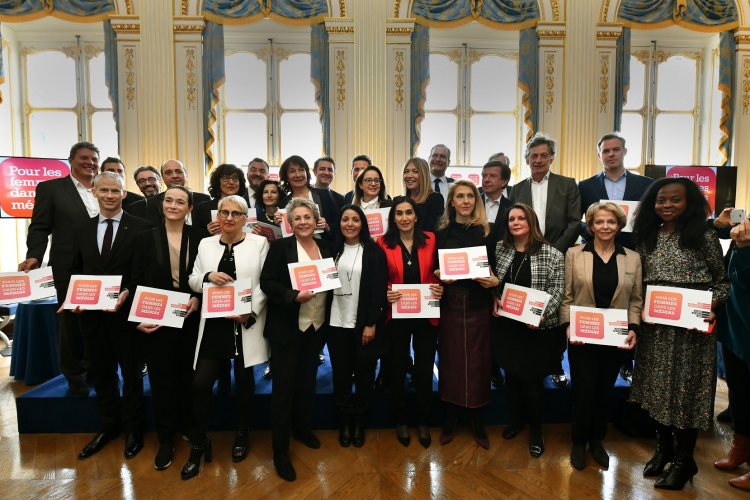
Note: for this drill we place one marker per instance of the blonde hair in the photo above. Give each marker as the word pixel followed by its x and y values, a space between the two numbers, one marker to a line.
pixel 423 171
pixel 302 202
pixel 478 216
pixel 622 219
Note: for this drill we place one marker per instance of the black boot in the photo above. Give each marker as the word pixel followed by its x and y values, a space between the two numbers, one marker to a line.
pixel 193 465
pixel 683 466
pixel 664 451
pixel 241 446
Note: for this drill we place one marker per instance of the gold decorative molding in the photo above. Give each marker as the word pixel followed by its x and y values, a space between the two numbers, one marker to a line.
pixel 92 52
pixel 549 82
pixel 742 38
pixel 399 80
pixel 342 7
pixel 26 51
pixel 128 7
pixel 473 57
pixel 555 10
pixel 397 31
pixel 340 78
pixel 641 56
pixel 283 54
pixel 184 7
pixel 126 28
pixel 607 35
pixel 551 34
pixel 188 28
pixel 603 83
pixel 261 54
pixel 396 7
pixel 130 77
pixel 73 52
pixel 339 30
pixel 190 70
pixel 605 10
pixel 660 56
pixel 455 56
pixel 745 84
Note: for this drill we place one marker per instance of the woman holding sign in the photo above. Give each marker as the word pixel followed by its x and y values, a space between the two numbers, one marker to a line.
pixel 296 322
pixel 417 186
pixel 600 274
pixel 225 180
pixel 675 368
pixel 222 259
pixel 163 259
pixel 369 191
pixel 269 196
pixel 410 255
pixel 526 352
pixel 466 313
pixel 357 335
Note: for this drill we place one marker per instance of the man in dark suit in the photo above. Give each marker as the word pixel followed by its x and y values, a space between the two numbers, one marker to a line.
pixel 174 174
pixel 61 205
pixel 359 162
pixel 440 160
pixel 557 204
pixel 614 182
pixel 116 165
pixel 148 180
pixel 325 169
pixel 257 172
pixel 105 245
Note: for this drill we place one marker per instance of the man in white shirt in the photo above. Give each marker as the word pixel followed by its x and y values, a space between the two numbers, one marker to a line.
pixel 440 160
pixel 257 172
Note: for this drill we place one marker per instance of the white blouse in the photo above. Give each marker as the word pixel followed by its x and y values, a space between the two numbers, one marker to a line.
pixel 346 298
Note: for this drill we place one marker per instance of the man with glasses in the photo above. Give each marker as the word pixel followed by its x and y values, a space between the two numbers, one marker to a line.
pixel 257 172
pixel 149 183
pixel 116 166
pixel 174 173
pixel 440 160
pixel 324 169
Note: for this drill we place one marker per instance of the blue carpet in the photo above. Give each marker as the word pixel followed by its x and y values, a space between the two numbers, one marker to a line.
pixel 49 408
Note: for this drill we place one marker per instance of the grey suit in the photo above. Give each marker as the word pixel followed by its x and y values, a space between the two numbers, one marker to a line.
pixel 563 217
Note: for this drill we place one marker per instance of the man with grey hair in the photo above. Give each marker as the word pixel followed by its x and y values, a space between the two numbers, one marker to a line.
pixel 174 173
pixel 440 160
pixel 557 204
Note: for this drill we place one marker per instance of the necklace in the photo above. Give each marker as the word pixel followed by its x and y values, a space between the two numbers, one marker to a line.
pixel 350 274
pixel 269 219
pixel 519 268
pixel 407 254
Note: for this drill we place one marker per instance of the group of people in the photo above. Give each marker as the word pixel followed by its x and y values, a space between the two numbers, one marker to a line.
pixel 172 240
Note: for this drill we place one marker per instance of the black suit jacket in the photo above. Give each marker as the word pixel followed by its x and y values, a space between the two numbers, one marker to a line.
pixel 140 209
pixel 88 261
pixel 499 223
pixel 202 214
pixel 349 197
pixel 156 206
pixel 328 207
pixel 131 198
pixel 282 319
pixel 58 210
pixel 338 198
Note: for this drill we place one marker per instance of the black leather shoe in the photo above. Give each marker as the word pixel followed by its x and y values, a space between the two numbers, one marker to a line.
pixel 133 444
pixel 725 416
pixel 423 432
pixel 664 454
pixel 578 456
pixel 321 357
pixel 79 390
pixel 358 437
pixel 144 370
pixel 403 436
pixel 560 380
pixel 267 374
pixel 536 442
pixel 163 457
pixel 308 440
pixel 193 465
pixel 241 446
pixel 284 467
pixel 681 471
pixel 96 444
pixel 345 436
pixel 599 453
pixel 512 430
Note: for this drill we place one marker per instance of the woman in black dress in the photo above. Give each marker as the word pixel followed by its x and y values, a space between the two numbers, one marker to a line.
pixel 416 176
pixel 527 353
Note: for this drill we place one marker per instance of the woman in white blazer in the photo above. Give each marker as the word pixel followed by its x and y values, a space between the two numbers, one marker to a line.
pixel 222 259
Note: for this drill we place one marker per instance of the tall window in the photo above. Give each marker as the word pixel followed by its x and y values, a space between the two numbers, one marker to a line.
pixel 66 100
pixel 268 105
pixel 473 106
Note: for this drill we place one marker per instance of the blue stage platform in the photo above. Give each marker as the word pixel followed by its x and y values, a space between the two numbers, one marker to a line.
pixel 49 408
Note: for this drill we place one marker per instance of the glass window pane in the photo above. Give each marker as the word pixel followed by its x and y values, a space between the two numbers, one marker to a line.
pixel 673 140
pixel 632 131
pixel 97 88
pixel 491 134
pixel 494 81
pixel 103 133
pixel 246 137
pixel 51 79
pixel 296 89
pixel 438 128
pixel 442 91
pixel 245 87
pixel 6 131
pixel 675 86
pixel 51 134
pixel 637 91
pixel 301 134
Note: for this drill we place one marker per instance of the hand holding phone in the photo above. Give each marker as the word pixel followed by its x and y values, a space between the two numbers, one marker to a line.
pixel 737 215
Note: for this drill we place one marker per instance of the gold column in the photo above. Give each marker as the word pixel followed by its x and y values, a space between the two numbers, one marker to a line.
pixel 741 111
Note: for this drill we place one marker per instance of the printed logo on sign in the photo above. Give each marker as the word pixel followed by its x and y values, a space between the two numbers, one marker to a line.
pixel 625 208
pixel 375 223
pixel 14 287
pixel 410 301
pixel 514 302
pixel 456 263
pixel 85 292
pixel 475 179
pixel 590 325
pixel 220 299
pixel 19 178
pixel 307 277
pixel 151 305
pixel 665 305
pixel 705 177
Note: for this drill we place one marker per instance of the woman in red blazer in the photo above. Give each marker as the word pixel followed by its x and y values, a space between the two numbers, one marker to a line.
pixel 411 257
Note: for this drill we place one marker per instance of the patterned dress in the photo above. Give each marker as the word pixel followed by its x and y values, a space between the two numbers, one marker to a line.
pixel 675 368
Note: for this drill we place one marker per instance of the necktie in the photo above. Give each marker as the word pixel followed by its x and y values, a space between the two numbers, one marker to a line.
pixel 437 185
pixel 107 244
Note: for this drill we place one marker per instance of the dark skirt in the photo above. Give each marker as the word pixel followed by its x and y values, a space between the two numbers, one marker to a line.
pixel 465 350
pixel 526 353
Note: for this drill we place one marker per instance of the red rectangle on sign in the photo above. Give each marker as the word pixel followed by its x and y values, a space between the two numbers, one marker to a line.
pixel 14 287
pixel 85 292
pixel 456 263
pixel 151 305
pixel 410 301
pixel 590 325
pixel 307 277
pixel 665 305
pixel 220 299
pixel 514 302
pixel 375 223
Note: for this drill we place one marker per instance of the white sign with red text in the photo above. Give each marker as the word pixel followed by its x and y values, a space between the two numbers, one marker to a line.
pixel 314 275
pixel 37 284
pixel 523 304
pixel 269 232
pixel 93 293
pixel 230 299
pixel 682 307
pixel 599 326
pixel 417 301
pixel 377 221
pixel 159 307
pixel 464 263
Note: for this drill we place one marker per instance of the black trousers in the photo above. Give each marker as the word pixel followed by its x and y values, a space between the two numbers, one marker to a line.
pixel 169 353
pixel 424 336
pixel 525 400
pixel 73 358
pixel 108 346
pixel 345 361
pixel 295 368
pixel 738 383
pixel 593 373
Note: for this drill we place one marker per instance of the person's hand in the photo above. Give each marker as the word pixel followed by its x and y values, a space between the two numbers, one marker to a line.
pixel 393 296
pixel 368 334
pixel 532 327
pixel 574 342
pixel 28 265
pixel 213 227
pixel 740 234
pixel 240 319
pixel 256 230
pixel 193 304
pixel 723 219
pixel 220 278
pixel 77 310
pixel 437 290
pixel 305 296
pixel 490 282
pixel 322 224
pixel 120 301
pixel 498 306
pixel 629 341
pixel 147 327
pixel 643 318
pixel 278 218
pixel 436 274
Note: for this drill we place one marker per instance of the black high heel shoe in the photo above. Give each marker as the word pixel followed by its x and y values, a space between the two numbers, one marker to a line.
pixel 681 471
pixel 193 465
pixel 401 430
pixel 241 446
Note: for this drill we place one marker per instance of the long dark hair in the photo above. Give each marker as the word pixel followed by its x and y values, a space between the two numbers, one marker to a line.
pixel 535 239
pixel 369 247
pixel 690 225
pixel 284 172
pixel 262 186
pixel 392 236
pixel 214 182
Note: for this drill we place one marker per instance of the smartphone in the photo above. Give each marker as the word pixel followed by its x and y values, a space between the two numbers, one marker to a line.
pixel 737 215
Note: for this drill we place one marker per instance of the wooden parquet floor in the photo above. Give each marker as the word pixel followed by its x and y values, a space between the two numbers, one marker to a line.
pixel 45 466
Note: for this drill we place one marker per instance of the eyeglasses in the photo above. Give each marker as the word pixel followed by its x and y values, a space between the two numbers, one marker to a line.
pixel 226 214
pixel 228 178
pixel 372 181
pixel 149 180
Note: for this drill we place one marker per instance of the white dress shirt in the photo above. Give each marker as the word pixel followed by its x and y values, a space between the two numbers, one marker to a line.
pixel 87 197
pixel 492 206
pixel 346 298
pixel 101 228
pixel 539 199
pixel 443 185
pixel 371 205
